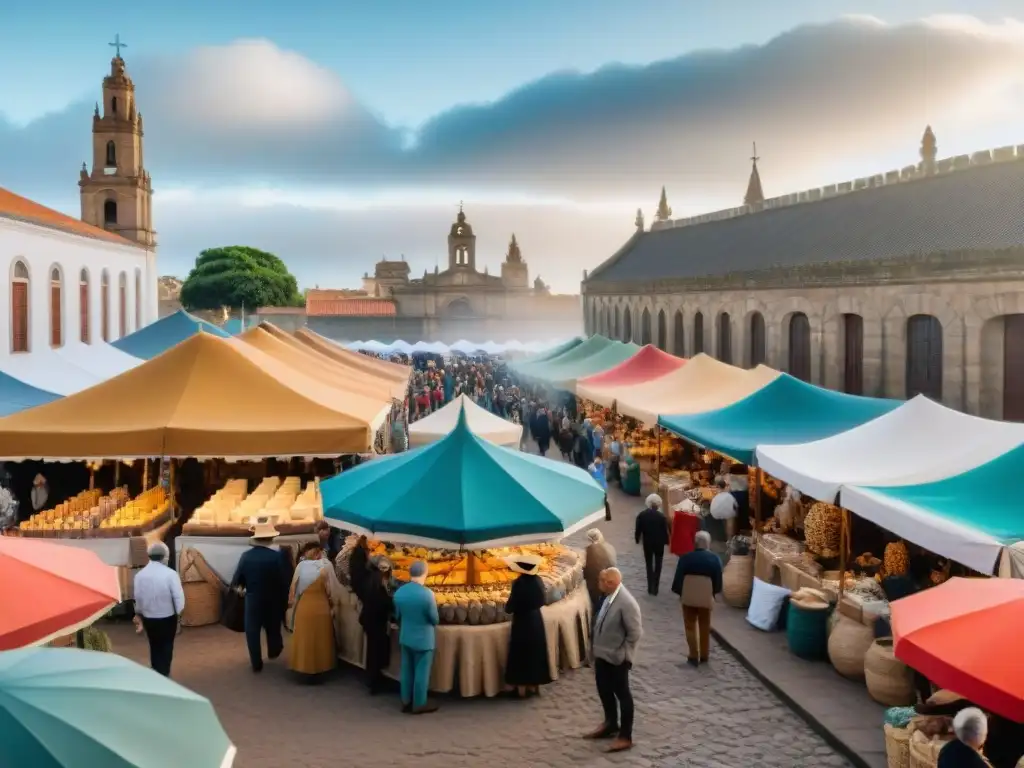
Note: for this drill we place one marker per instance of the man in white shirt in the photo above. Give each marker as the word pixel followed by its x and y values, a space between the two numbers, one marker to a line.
pixel 159 600
pixel 723 505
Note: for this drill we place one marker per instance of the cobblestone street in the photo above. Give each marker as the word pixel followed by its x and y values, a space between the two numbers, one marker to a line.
pixel 717 716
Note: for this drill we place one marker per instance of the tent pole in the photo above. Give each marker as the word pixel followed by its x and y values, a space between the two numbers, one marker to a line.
pixel 172 495
pixel 145 474
pixel 758 480
pixel 842 551
pixel 117 473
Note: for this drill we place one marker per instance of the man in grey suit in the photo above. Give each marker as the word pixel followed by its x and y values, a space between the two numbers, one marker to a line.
pixel 617 630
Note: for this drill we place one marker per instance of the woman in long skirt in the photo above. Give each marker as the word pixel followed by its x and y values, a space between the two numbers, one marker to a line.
pixel 312 651
pixel 527 667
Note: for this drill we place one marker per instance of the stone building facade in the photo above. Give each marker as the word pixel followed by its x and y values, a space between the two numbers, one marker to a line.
pixel 460 302
pixel 901 283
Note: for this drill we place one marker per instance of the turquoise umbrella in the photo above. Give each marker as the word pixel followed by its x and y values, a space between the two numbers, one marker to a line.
pixel 462 491
pixel 69 708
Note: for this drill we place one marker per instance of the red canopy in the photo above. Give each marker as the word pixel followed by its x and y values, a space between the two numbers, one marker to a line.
pixel 649 363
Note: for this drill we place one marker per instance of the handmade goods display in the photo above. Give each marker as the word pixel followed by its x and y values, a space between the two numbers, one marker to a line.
pixel 896 559
pixel 91 515
pixel 889 680
pixel 822 528
pixel 848 642
pixel 230 511
pixel 773 550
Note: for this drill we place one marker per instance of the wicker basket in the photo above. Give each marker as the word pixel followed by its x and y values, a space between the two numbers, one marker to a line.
pixel 738 581
pixel 889 680
pixel 925 754
pixel 847 644
pixel 203 602
pixel 897 747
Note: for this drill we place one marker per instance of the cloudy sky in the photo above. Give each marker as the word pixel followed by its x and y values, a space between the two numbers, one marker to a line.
pixel 333 133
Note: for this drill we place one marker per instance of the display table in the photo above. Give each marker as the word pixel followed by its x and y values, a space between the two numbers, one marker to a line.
pixel 117 552
pixel 222 553
pixel 476 654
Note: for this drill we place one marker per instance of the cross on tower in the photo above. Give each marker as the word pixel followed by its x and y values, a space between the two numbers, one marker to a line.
pixel 460 206
pixel 754 157
pixel 118 45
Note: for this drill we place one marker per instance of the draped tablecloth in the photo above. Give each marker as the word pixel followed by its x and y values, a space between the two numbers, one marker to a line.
pixel 116 551
pixel 222 553
pixel 476 654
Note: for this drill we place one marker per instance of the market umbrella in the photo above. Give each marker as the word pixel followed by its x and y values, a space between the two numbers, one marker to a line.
pixel 48 590
pixel 963 635
pixel 462 491
pixel 69 708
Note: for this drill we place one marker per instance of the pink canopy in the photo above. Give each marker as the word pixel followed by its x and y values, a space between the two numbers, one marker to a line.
pixel 647 364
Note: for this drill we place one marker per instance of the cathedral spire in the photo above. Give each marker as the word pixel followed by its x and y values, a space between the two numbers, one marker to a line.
pixel 755 194
pixel 664 213
pixel 639 222
pixel 929 151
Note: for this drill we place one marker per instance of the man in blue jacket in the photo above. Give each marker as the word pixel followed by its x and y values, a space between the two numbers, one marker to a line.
pixel 416 610
pixel 263 573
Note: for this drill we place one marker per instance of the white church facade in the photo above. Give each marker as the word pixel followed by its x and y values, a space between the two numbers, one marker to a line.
pixel 93 279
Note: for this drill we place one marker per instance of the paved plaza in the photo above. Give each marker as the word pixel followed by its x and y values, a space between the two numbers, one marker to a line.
pixel 718 716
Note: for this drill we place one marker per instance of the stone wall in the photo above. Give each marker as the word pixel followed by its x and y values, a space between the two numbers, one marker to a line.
pixel 971 312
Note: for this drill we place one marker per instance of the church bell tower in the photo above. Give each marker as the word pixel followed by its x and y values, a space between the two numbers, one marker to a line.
pixel 461 244
pixel 117 193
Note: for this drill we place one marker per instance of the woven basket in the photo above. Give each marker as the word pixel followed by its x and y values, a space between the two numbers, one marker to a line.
pixel 204 591
pixel 897 747
pixel 925 755
pixel 738 581
pixel 847 644
pixel 889 680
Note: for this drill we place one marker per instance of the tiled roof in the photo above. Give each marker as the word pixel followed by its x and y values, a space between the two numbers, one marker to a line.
pixel 972 209
pixel 351 307
pixel 14 206
pixel 279 311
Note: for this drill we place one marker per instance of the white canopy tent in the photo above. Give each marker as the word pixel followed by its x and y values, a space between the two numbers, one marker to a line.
pixel 462 346
pixel 100 359
pixel 482 423
pixel 919 442
pixel 45 369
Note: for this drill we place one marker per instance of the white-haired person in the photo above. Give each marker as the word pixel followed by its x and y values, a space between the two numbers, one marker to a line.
pixel 159 601
pixel 971 728
pixel 652 531
pixel 698 581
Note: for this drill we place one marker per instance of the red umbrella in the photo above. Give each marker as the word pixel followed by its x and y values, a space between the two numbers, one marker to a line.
pixel 965 635
pixel 48 590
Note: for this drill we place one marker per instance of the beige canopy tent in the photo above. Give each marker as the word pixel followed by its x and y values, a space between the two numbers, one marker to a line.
pixel 206 397
pixel 703 384
pixel 393 371
pixel 480 421
pixel 317 366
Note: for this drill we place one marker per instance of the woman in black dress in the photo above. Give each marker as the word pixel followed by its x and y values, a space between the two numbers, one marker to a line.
pixel 527 667
pixel 375 618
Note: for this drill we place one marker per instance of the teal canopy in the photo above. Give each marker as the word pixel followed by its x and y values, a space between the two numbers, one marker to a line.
pixel 969 517
pixel 784 412
pixel 463 492
pixel 593 356
pixel 16 395
pixel 548 354
pixel 156 338
pixel 70 708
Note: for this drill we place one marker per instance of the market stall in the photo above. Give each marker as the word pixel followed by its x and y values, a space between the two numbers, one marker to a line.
pixel 156 338
pixel 460 504
pixel 399 374
pixel 481 422
pixel 568 352
pixel 703 384
pixel 648 364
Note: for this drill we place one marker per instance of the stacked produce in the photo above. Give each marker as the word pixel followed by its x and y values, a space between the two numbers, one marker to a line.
pixel 90 514
pixel 896 559
pixel 822 529
pixel 230 511
pixel 473 587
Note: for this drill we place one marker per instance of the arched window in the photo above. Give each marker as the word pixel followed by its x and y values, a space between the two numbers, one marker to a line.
pixel 800 346
pixel 679 335
pixel 122 301
pixel 138 299
pixel 924 357
pixel 105 305
pixel 627 325
pixel 725 338
pixel 111 155
pixel 83 306
pixel 110 212
pixel 56 317
pixel 19 307
pixel 645 327
pixel 662 340
pixel 757 340
pixel 853 354
pixel 698 333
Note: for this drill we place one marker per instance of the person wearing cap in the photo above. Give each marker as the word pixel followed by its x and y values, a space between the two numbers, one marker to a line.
pixel 599 555
pixel 652 531
pixel 159 601
pixel 416 611
pixel 263 574
pixel 527 667
pixel 375 618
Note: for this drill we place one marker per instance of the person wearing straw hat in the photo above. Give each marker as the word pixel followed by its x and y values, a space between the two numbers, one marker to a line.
pixel 527 667
pixel 263 575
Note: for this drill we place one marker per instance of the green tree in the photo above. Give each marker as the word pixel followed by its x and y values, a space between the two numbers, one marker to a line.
pixel 237 275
